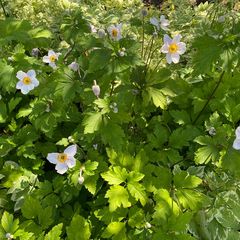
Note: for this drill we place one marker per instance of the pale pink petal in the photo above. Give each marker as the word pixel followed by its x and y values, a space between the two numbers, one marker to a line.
pixel 236 144
pixel 35 82
pixel 177 38
pixel 167 39
pixel 53 157
pixel 71 150
pixel 237 132
pixel 61 168
pixel 51 52
pixel 181 48
pixel 71 162
pixel 20 75
pixel 53 65
pixel 19 85
pixel 46 59
pixel 164 48
pixel 175 57
pixel 31 73
pixel 169 58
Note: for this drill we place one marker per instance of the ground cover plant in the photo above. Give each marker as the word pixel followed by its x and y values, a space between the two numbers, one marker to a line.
pixel 119 120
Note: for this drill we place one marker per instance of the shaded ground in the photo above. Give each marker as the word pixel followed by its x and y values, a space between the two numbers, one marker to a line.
pixel 158 3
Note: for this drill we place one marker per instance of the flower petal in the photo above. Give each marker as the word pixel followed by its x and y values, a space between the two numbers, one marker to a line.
pixel 154 21
pixel 169 58
pixel 31 73
pixel 71 150
pixel 35 82
pixel 167 39
pixel 20 75
pixel 175 57
pixel 53 65
pixel 61 168
pixel 24 89
pixel 52 158
pixel 46 59
pixel 177 38
pixel 162 17
pixel 71 162
pixel 236 144
pixel 51 52
pixel 19 85
pixel 237 132
pixel 181 48
pixel 164 48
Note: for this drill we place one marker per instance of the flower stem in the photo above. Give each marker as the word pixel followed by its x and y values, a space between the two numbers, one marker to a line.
pixel 210 97
pixel 143 33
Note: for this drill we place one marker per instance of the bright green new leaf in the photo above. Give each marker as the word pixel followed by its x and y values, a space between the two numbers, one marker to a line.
pixel 115 175
pixel 92 122
pixel 157 97
pixel 54 233
pixel 115 230
pixel 8 223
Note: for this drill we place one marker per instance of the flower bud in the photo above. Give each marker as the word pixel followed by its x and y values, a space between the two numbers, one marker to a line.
pixel 35 52
pixel 81 180
pixel 148 225
pixel 144 12
pixel 212 131
pixel 101 33
pixel 9 236
pixel 221 19
pixel 96 89
pixel 74 66
pixel 121 53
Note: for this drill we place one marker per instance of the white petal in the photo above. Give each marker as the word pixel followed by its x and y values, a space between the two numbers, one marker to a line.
pixel 71 162
pixel 71 150
pixel 51 52
pixel 46 59
pixel 20 75
pixel 162 17
pixel 19 85
pixel 237 132
pixel 52 158
pixel 119 27
pixel 53 65
pixel 169 58
pixel 164 24
pixel 167 39
pixel 177 38
pixel 31 73
pixel 181 48
pixel 175 57
pixel 57 55
pixel 164 48
pixel 119 36
pixel 110 29
pixel 35 82
pixel 154 21
pixel 236 144
pixel 61 168
pixel 24 89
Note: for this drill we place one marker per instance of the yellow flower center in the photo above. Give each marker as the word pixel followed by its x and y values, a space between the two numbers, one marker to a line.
pixel 114 32
pixel 62 157
pixel 173 48
pixel 52 58
pixel 27 80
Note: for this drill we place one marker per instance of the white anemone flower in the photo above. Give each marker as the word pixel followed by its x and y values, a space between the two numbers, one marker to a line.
pixel 63 160
pixel 163 23
pixel 51 58
pixel 236 143
pixel 115 32
pixel 173 48
pixel 27 81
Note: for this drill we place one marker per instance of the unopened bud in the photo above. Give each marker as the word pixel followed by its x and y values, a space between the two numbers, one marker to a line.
pixel 155 34
pixel 81 180
pixel 101 33
pixel 35 52
pixel 9 236
pixel 74 66
pixel 121 53
pixel 148 225
pixel 221 19
pixel 96 89
pixel 212 131
pixel 144 12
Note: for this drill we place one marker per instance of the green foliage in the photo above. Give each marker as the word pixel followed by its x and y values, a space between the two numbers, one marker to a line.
pixel 154 141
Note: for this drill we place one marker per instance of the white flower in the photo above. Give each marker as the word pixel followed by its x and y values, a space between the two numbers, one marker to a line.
pixel 51 58
pixel 163 23
pixel 63 160
pixel 27 81
pixel 96 89
pixel 236 143
pixel 74 66
pixel 173 48
pixel 115 31
pixel 101 33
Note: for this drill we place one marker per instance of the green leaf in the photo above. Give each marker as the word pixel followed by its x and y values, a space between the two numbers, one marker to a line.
pixel 158 98
pixel 182 179
pixel 54 233
pixel 79 229
pixel 159 76
pixel 3 112
pixel 115 175
pixel 31 207
pixel 92 122
pixel 180 116
pixel 138 192
pixel 8 224
pixel 115 230
pixel 206 154
pixel 98 59
pixel 118 196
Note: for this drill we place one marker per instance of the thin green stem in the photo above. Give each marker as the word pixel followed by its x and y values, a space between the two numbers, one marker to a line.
pixel 210 97
pixel 143 33
pixel 149 43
